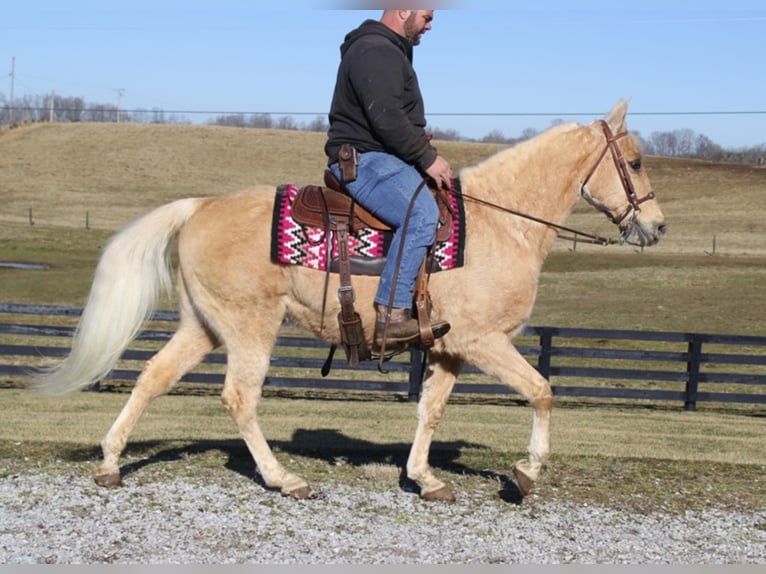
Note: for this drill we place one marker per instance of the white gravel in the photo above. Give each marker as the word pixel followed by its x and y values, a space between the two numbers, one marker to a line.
pixel 59 518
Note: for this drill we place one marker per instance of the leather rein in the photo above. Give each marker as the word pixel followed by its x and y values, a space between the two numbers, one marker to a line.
pixel 627 184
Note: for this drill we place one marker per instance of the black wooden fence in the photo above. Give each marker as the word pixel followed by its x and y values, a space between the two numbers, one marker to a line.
pixel 594 363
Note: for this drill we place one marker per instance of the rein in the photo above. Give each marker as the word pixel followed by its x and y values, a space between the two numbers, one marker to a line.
pixel 627 184
pixel 595 239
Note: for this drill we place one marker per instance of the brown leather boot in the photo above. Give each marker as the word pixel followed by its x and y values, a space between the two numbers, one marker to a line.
pixel 402 327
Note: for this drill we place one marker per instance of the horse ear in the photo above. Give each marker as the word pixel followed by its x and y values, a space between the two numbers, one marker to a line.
pixel 616 116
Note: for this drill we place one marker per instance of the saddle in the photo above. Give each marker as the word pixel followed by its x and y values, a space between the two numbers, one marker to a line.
pixel 332 208
pixel 325 207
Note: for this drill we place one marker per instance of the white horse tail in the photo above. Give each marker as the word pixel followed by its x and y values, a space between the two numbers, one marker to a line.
pixel 132 273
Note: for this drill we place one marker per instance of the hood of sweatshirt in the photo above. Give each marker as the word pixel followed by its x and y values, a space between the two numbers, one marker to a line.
pixel 371 28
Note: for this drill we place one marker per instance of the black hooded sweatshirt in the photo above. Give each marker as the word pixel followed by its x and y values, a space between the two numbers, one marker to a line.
pixel 377 104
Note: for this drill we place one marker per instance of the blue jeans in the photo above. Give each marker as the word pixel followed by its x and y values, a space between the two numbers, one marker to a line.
pixel 384 186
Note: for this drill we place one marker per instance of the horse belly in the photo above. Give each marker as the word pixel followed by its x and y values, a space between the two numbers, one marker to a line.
pixel 307 299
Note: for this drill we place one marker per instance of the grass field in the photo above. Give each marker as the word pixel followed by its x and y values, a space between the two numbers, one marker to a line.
pixel 706 276
pixel 637 459
pixel 112 173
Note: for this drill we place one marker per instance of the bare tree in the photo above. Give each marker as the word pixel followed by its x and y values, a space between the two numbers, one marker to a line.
pixel 287 123
pixel 318 124
pixel 665 143
pixel 685 142
pixel 445 135
pixel 69 109
pixel 706 149
pixel 101 113
pixel 260 121
pixel 528 134
pixel 231 120
pixel 495 136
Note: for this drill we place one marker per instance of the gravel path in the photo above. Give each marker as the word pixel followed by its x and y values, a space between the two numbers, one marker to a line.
pixel 65 519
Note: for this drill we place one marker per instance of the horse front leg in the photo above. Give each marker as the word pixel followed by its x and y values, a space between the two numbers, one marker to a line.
pixel 498 357
pixel 433 400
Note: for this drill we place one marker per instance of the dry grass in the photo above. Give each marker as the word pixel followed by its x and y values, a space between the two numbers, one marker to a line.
pixel 117 172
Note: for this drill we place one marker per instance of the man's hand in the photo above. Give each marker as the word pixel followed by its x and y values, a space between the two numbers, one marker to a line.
pixel 441 172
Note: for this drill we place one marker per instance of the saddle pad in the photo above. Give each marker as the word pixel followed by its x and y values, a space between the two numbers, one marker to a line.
pixel 294 244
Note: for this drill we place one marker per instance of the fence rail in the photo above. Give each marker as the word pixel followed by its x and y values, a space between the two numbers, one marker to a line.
pixel 596 363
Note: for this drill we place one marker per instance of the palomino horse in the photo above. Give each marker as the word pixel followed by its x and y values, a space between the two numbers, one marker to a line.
pixel 232 294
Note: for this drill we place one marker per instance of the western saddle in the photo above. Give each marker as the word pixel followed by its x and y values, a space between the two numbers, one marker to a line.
pixel 332 208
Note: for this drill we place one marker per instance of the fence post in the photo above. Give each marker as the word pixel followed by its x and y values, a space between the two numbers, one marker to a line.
pixel 546 349
pixel 693 373
pixel 416 374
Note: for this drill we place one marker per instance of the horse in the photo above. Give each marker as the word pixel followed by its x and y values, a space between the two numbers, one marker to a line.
pixel 232 294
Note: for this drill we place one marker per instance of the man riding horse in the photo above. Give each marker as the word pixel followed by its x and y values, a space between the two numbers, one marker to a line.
pixel 377 112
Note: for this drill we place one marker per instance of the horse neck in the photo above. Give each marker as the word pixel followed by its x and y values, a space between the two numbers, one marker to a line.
pixel 541 178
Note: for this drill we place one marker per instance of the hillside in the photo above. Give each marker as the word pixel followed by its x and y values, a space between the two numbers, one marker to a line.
pixel 112 173
pixel 115 172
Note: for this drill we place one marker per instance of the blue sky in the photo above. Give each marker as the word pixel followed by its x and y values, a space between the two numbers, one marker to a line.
pixel 529 62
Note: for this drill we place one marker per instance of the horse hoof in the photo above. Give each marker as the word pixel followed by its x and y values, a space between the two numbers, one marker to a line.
pixel 300 493
pixel 111 480
pixel 442 494
pixel 523 481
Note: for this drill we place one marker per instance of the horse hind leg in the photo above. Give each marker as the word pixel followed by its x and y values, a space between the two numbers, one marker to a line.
pixel 248 361
pixel 186 349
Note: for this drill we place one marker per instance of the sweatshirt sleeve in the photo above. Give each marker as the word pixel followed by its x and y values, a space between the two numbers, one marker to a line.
pixel 380 81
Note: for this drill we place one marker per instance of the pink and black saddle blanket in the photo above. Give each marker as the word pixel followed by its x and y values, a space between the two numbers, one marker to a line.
pixel 296 244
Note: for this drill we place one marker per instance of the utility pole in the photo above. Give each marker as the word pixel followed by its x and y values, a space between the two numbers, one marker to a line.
pixel 10 105
pixel 119 91
pixel 50 104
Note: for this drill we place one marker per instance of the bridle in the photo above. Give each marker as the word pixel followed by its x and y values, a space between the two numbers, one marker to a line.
pixel 621 165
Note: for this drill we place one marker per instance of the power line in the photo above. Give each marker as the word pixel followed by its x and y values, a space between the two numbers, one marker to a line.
pixel 434 114
pixel 475 114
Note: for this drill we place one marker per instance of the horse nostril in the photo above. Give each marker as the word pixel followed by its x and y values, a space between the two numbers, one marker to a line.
pixel 662 230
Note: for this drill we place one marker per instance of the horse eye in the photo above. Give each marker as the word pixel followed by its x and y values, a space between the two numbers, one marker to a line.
pixel 635 165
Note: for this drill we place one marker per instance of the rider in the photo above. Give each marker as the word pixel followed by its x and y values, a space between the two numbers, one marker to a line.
pixel 377 107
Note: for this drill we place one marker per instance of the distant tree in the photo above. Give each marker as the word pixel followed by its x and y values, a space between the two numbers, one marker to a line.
pixel 528 134
pixel 69 109
pixel 685 146
pixel 141 116
pixel 231 120
pixel 287 123
pixel 318 124
pixel 664 143
pixel 495 136
pixel 158 116
pixel 706 149
pixel 445 135
pixel 260 121
pixel 101 113
pixel 46 107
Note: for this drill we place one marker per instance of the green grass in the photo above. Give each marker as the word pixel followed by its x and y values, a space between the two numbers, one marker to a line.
pixel 640 459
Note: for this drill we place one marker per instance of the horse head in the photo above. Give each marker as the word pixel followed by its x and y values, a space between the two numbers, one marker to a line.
pixel 618 184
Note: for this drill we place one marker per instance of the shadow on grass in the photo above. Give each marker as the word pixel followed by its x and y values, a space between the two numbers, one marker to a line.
pixel 328 446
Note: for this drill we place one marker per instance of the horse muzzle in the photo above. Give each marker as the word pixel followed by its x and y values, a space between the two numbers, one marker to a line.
pixel 643 234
